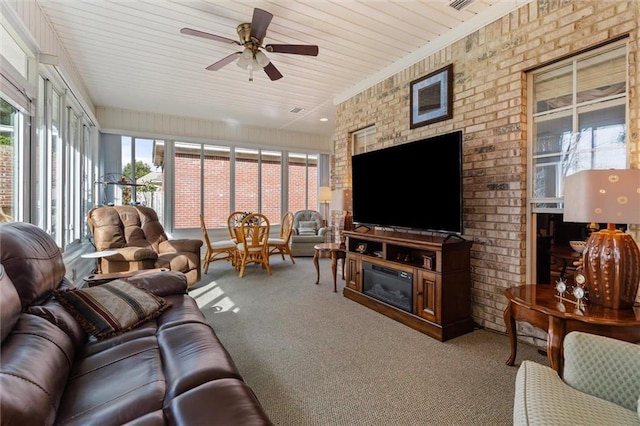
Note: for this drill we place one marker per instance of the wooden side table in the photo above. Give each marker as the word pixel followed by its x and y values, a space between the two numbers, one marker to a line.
pixel 335 252
pixel 537 305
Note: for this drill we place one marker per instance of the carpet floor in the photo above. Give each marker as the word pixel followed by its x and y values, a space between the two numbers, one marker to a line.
pixel 316 358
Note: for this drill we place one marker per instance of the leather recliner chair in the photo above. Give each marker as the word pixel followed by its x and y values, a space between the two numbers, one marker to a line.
pixel 137 236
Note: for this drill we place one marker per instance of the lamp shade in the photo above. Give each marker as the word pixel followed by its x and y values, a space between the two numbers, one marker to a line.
pixel 604 196
pixel 245 59
pixel 341 200
pixel 261 59
pixel 324 195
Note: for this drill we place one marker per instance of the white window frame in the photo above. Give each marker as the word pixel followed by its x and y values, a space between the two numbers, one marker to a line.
pixel 573 111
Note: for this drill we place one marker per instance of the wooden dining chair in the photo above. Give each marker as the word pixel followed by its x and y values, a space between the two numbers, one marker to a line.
pixel 253 247
pixel 217 250
pixel 233 221
pixel 282 244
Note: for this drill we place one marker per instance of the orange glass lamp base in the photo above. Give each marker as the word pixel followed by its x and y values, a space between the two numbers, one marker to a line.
pixel 611 268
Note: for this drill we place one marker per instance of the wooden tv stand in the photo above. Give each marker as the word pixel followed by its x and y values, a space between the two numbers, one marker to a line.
pixel 441 278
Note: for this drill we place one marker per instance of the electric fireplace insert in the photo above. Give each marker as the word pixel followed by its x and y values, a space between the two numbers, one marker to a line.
pixel 388 285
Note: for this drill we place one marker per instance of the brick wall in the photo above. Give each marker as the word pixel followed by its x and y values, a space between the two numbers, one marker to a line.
pixel 490 108
pixel 6 177
pixel 216 189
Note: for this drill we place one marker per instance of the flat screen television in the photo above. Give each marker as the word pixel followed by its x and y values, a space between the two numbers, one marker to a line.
pixel 415 185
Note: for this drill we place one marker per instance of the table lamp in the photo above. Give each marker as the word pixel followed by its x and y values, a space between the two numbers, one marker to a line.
pixel 324 197
pixel 611 259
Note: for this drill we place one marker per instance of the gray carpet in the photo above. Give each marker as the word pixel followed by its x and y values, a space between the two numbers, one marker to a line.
pixel 314 357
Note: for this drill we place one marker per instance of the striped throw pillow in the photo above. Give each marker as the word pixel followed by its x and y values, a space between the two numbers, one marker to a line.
pixel 112 308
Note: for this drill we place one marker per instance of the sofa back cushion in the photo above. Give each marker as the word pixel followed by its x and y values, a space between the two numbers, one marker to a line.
pixel 150 224
pixel 305 221
pixel 31 259
pixel 125 226
pixel 106 228
pixel 307 227
pixel 10 305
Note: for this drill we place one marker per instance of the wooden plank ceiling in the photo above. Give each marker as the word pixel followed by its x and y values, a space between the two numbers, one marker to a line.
pixel 131 54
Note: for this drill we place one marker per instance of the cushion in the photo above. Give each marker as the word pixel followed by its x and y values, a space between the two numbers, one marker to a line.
pixel 112 308
pixel 306 231
pixel 309 224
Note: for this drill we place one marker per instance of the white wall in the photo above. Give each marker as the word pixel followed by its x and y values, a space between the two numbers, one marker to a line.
pixel 161 126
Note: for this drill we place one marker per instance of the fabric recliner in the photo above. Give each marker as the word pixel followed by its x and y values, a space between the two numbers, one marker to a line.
pixel 308 231
pixel 137 236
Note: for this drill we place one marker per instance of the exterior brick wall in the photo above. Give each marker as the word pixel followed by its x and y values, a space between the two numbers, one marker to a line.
pixel 6 177
pixel 216 189
pixel 490 101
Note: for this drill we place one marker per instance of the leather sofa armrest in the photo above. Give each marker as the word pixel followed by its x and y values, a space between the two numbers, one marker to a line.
pixel 132 254
pixel 178 245
pixel 161 284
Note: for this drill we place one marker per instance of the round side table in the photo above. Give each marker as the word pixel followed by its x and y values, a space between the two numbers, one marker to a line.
pixel 335 252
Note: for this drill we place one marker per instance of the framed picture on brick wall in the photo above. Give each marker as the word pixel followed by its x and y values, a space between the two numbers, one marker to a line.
pixel 432 97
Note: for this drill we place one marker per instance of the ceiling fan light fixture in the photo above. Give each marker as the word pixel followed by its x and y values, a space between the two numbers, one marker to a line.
pixel 262 59
pixel 244 61
pixel 247 54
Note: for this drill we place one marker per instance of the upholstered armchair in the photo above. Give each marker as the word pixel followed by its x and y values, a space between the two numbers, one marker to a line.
pixel 308 230
pixel 135 233
pixel 599 385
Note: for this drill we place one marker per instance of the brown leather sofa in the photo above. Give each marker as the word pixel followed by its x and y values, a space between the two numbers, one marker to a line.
pixel 137 235
pixel 169 370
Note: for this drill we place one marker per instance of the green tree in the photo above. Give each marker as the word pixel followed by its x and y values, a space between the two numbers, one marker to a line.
pixel 7 112
pixel 141 169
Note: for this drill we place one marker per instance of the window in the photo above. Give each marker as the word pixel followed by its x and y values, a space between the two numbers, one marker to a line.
pixel 63 167
pixel 247 180
pixel 11 160
pixel 303 181
pixel 187 189
pixel 216 180
pixel 578 110
pixel 271 185
pixel 579 121
pixel 49 161
pixel 141 174
pixel 362 140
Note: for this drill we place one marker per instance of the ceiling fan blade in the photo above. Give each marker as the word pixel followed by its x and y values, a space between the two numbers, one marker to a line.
pixel 259 23
pixel 202 34
pixel 296 49
pixel 272 72
pixel 224 61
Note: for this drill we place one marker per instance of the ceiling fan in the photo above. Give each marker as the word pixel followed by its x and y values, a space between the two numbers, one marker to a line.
pixel 251 37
